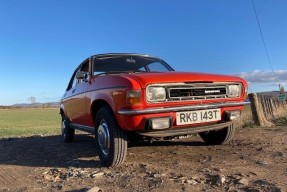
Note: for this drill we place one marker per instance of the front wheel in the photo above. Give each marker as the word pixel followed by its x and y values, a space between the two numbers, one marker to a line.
pixel 111 140
pixel 218 137
pixel 67 132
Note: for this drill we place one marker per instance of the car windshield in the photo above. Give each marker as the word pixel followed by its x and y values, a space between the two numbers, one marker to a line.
pixel 129 63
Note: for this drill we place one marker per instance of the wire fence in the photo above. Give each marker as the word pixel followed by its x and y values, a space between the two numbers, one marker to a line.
pixel 266 110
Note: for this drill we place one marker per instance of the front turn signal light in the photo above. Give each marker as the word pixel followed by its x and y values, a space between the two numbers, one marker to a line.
pixel 134 97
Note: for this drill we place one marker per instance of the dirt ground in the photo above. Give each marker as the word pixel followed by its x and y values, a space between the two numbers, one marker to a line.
pixel 255 161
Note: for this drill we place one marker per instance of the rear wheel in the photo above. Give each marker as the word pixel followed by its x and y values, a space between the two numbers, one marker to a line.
pixel 67 132
pixel 218 137
pixel 111 140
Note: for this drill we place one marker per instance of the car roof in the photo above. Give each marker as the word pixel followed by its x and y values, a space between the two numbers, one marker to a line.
pixel 123 54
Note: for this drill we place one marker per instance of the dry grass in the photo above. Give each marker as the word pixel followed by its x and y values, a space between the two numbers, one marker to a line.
pixel 246 120
pixel 279 117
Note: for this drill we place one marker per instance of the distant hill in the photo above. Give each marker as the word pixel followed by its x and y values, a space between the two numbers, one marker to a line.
pixel 271 94
pixel 34 105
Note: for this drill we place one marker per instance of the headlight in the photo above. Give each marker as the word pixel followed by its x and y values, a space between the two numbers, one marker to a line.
pixel 233 90
pixel 155 94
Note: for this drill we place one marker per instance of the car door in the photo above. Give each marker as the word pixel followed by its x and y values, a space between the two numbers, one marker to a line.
pixel 75 97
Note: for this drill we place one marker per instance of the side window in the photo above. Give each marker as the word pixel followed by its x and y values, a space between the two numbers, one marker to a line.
pixel 74 81
pixel 85 69
pixel 85 66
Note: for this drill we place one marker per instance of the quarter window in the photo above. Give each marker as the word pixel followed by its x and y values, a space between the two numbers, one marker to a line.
pixel 74 81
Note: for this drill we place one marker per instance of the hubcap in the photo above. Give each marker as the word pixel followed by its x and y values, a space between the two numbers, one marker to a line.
pixel 104 137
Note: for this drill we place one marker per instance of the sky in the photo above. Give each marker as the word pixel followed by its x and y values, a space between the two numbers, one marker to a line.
pixel 42 42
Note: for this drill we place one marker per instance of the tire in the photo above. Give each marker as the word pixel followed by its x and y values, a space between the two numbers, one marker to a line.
pixel 219 137
pixel 111 140
pixel 67 132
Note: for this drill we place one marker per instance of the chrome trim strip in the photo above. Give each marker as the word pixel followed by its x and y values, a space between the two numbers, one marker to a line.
pixel 114 87
pixel 92 90
pixel 182 108
pixel 84 128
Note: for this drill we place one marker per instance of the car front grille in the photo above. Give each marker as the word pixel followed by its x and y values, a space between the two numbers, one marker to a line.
pixel 195 93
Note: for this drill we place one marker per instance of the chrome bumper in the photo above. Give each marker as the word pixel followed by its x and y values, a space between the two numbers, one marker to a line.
pixel 185 131
pixel 181 108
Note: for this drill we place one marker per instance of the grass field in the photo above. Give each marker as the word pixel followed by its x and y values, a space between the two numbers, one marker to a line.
pixel 25 122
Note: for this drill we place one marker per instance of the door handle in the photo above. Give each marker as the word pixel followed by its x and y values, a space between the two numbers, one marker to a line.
pixel 74 91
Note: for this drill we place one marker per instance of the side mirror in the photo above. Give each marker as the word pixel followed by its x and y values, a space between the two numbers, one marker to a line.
pixel 81 75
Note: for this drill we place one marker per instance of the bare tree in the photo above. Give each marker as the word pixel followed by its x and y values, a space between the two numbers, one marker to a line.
pixel 32 99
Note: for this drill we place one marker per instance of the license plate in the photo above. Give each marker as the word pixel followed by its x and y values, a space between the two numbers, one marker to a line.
pixel 201 116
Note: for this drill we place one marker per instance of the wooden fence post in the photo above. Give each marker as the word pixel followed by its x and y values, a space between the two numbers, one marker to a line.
pixel 257 111
pixel 273 108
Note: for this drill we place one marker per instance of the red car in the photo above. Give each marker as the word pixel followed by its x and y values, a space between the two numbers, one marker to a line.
pixel 118 95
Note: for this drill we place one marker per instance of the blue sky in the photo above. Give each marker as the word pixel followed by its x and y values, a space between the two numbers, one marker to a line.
pixel 42 42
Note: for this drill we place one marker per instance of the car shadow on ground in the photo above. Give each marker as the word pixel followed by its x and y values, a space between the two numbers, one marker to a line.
pixel 49 151
pixel 186 141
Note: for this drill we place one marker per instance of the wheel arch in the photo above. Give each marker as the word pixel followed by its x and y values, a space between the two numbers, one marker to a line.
pixel 62 110
pixel 97 105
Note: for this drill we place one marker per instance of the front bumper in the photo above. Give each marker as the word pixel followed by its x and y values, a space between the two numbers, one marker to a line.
pixel 185 131
pixel 181 108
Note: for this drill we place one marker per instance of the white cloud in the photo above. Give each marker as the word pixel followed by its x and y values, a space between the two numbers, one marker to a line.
pixel 258 76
